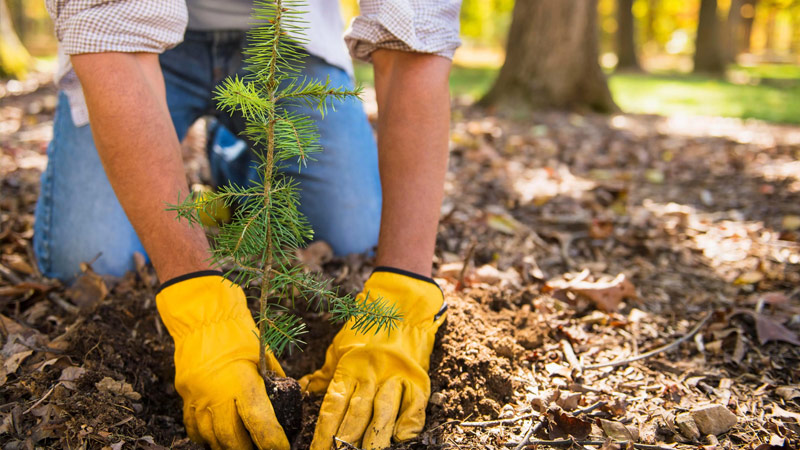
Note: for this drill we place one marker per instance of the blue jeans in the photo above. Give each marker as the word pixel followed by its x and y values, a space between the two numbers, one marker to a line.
pixel 78 217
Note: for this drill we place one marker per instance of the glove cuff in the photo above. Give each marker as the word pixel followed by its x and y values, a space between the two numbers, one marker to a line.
pixel 407 274
pixel 192 301
pixel 188 276
pixel 418 298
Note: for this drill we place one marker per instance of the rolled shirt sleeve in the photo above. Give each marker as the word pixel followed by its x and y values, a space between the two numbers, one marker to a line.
pixel 97 26
pixel 94 26
pixel 421 26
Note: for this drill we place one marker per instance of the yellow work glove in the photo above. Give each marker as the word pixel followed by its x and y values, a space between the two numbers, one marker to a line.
pixel 377 384
pixel 225 403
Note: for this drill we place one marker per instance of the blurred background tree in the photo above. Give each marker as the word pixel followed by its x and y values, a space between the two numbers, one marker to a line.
pixel 14 57
pixel 25 31
pixel 534 75
pixel 709 56
pixel 626 40
pixel 738 58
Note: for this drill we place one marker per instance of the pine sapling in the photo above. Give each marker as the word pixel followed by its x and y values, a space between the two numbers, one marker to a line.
pixel 258 246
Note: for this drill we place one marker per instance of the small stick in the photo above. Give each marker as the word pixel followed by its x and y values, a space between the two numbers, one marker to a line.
pixel 492 423
pixel 571 442
pixel 41 399
pixel 32 258
pixel 467 260
pixel 569 353
pixel 65 305
pixel 590 408
pixel 531 431
pixel 665 348
pixel 10 276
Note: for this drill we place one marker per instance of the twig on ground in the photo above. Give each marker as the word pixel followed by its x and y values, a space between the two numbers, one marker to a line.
pixel 564 243
pixel 569 353
pixel 662 349
pixel 589 408
pixel 571 442
pixel 491 423
pixel 531 431
pixel 9 275
pixel 38 402
pixel 32 258
pixel 65 305
pixel 467 260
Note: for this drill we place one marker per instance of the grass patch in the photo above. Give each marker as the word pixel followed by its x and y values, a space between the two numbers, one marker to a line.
pixel 472 82
pixel 668 94
pixel 698 95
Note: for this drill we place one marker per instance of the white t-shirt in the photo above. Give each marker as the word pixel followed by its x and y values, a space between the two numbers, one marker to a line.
pixel 324 30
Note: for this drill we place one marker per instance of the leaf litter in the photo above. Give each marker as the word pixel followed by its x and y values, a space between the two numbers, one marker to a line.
pixel 567 242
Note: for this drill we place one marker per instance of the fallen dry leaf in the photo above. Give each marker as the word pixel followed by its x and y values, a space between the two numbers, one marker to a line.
pixel 619 431
pixel 18 263
pixel 777 411
pixel 113 386
pixel 88 290
pixel 751 277
pixel 601 229
pixel 564 425
pixel 315 255
pixel 788 393
pixel 69 375
pixel 790 222
pixel 773 298
pixel 769 329
pixel 503 223
pixel 605 293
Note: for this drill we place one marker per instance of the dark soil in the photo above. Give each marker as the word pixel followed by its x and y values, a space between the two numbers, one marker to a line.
pixel 287 399
pixel 698 216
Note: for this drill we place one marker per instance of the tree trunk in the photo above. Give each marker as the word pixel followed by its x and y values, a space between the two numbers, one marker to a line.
pixel 652 14
pixel 747 23
pixel 552 59
pixel 14 58
pixel 626 46
pixel 771 41
pixel 733 31
pixel 709 56
pixel 795 44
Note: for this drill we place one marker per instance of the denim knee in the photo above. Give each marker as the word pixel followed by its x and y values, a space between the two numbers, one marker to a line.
pixel 78 218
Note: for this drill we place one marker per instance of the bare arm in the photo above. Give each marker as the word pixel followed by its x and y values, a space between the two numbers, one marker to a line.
pixel 140 152
pixel 413 129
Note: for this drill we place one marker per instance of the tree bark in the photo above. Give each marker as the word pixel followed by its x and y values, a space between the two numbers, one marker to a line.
pixel 552 59
pixel 734 31
pixel 709 56
pixel 14 58
pixel 771 41
pixel 747 24
pixel 794 46
pixel 626 41
pixel 652 14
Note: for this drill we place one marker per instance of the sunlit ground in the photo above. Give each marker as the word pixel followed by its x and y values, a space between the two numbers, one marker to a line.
pixel 768 92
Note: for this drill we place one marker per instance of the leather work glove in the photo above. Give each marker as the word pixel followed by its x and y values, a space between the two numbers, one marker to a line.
pixel 225 403
pixel 377 384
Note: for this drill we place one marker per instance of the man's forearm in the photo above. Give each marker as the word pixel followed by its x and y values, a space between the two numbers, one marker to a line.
pixel 413 129
pixel 141 155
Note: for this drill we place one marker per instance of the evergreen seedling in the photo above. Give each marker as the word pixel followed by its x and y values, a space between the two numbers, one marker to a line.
pixel 259 244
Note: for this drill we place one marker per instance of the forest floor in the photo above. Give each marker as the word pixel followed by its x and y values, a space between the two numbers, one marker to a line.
pixel 566 242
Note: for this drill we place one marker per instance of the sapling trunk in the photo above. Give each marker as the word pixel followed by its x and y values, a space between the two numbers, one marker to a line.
pixel 257 248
